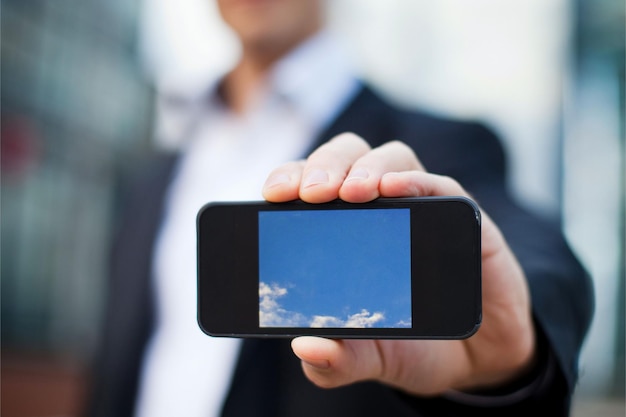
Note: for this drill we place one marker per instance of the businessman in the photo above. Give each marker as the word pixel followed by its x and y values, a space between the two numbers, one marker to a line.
pixel 292 97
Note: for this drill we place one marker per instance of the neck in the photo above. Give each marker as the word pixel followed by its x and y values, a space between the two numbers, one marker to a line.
pixel 240 84
pixel 256 60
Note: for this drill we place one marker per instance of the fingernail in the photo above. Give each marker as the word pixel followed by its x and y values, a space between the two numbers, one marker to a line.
pixel 315 177
pixel 318 364
pixel 275 180
pixel 358 174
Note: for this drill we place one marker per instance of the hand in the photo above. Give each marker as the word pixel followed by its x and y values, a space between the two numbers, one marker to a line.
pixel 504 346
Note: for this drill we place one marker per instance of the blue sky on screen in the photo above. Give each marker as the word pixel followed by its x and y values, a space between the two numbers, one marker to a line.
pixel 335 268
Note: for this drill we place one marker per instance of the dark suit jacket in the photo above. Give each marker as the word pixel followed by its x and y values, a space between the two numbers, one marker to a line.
pixel 268 380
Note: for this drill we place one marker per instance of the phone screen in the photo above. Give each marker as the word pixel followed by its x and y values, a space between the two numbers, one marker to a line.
pixel 335 268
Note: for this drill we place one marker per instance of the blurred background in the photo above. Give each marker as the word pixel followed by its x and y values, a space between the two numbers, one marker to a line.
pixel 81 83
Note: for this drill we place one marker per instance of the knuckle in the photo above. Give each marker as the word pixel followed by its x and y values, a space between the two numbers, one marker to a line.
pixel 348 136
pixel 352 140
pixel 405 153
pixel 451 184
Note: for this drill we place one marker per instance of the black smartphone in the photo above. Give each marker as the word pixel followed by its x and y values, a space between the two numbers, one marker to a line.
pixel 390 268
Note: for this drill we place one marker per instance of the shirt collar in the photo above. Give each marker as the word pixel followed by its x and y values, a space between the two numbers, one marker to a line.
pixel 317 78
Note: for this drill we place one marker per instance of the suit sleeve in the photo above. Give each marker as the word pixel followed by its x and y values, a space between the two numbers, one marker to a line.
pixel 561 290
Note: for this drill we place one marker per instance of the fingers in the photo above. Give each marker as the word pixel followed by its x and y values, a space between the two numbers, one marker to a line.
pixel 419 184
pixel 332 363
pixel 283 183
pixel 328 166
pixel 424 184
pixel 345 167
pixel 317 179
pixel 362 182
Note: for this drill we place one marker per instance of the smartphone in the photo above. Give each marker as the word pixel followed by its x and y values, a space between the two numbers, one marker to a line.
pixel 391 268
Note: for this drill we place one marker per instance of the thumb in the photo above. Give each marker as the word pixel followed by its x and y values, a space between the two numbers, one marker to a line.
pixel 330 363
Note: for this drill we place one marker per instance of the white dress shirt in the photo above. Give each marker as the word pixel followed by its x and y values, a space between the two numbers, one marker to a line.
pixel 226 156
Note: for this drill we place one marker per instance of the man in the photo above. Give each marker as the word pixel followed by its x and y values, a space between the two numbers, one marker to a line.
pixel 290 93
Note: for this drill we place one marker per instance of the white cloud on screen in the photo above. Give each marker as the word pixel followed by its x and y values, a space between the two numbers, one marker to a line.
pixel 364 319
pixel 325 321
pixel 358 320
pixel 404 323
pixel 272 314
